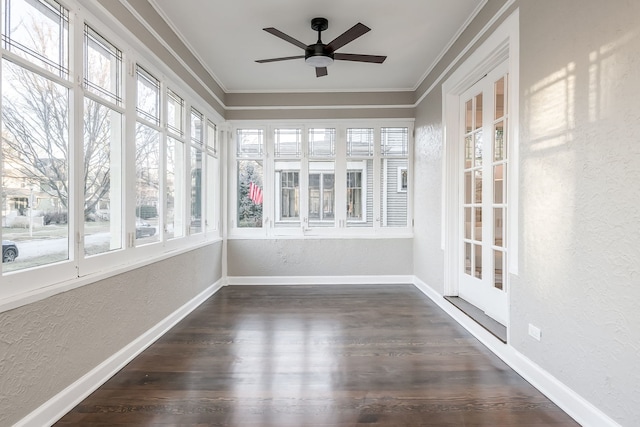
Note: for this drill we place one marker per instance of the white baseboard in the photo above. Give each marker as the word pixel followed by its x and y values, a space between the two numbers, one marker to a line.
pixel 319 280
pixel 578 408
pixel 56 407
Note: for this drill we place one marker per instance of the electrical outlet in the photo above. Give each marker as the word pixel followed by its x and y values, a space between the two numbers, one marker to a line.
pixel 534 331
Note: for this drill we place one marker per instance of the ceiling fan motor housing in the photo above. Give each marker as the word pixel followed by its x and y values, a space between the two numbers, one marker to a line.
pixel 318 54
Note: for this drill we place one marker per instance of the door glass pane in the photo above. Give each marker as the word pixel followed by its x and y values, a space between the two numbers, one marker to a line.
pixel 467 223
pixel 478 111
pixel 478 139
pixel 468 188
pixel 499 99
pixel 499 147
pixel 468 151
pixel 497 265
pixel 498 181
pixel 498 221
pixel 467 258
pixel 477 233
pixel 478 261
pixel 478 185
pixel 468 116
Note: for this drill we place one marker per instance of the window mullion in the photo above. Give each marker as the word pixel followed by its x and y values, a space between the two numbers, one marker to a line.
pixel 76 141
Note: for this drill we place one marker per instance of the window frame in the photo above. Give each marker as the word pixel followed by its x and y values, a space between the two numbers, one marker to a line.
pixel 343 227
pixel 28 285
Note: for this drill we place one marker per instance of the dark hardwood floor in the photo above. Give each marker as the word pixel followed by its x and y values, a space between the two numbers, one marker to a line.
pixel 317 356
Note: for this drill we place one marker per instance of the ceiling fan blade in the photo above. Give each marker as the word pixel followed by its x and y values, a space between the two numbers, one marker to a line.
pixel 286 58
pixel 378 59
pixel 321 71
pixel 285 37
pixel 348 36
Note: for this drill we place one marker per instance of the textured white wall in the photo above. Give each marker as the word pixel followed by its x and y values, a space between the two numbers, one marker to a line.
pixel 46 346
pixel 319 257
pixel 580 204
pixel 579 207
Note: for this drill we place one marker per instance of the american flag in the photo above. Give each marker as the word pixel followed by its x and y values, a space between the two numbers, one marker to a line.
pixel 255 193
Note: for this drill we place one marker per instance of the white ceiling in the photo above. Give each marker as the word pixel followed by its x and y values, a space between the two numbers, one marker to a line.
pixel 227 37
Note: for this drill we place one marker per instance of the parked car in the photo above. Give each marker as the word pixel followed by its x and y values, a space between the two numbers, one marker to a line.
pixel 144 229
pixel 9 251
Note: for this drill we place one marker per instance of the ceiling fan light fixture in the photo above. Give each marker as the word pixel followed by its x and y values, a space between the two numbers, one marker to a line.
pixel 319 61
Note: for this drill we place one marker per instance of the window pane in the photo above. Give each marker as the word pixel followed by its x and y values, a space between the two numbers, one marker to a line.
pixel 250 143
pixel 360 142
pixel 288 142
pixel 148 96
pixel 102 178
pixel 250 193
pixel 196 190
pixel 147 184
pixel 322 142
pixel 393 201
pixel 102 67
pixel 288 193
pixel 468 116
pixel 197 131
pixel 38 30
pixel 477 231
pixel 360 193
pixel 212 140
pixel 467 258
pixel 175 114
pixel 321 194
pixel 211 192
pixel 468 151
pixel 395 141
pixel 467 223
pixel 35 183
pixel 175 202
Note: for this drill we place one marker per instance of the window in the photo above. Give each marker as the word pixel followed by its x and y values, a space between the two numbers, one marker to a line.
pixel 250 150
pixel 38 31
pixel 66 200
pixel 394 149
pixel 102 154
pixel 36 102
pixel 288 153
pixel 323 178
pixel 360 153
pixel 197 141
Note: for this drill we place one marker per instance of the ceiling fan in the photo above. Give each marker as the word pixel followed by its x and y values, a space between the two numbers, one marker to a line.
pixel 320 55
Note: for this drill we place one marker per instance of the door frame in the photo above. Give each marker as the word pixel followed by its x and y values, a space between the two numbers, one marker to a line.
pixel 502 45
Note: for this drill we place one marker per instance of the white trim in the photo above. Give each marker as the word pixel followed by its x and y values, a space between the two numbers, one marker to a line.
pixel 577 407
pixel 60 404
pixel 319 280
pixel 501 45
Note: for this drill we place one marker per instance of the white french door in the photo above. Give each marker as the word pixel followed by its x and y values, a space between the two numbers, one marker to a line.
pixel 483 207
